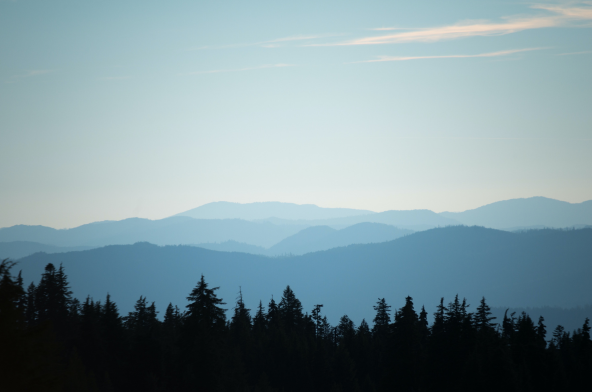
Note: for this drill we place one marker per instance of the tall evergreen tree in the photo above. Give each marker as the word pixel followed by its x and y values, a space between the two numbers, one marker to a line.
pixel 28 357
pixel 241 320
pixel 145 351
pixel 346 331
pixel 541 332
pixel 202 338
pixel 382 319
pixel 259 321
pixel 483 318
pixel 317 319
pixel 272 316
pixel 204 308
pixel 52 301
pixel 290 309
pixel 31 307
pixel 22 300
pixel 439 324
pixel 406 354
pixel 508 325
pixel 172 321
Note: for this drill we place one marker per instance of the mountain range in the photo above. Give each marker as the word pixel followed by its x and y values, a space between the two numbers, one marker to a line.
pixel 270 209
pixel 504 215
pixel 272 229
pixel 168 231
pixel 524 213
pixel 317 238
pixel 534 268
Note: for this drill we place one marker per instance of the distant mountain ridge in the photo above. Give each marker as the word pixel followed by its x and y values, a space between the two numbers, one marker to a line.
pixel 535 268
pixel 312 239
pixel 233 246
pixel 168 231
pixel 511 215
pixel 318 238
pixel 529 212
pixel 415 220
pixel 17 249
pixel 270 209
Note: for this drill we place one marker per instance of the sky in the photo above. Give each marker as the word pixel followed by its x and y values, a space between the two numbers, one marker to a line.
pixel 118 109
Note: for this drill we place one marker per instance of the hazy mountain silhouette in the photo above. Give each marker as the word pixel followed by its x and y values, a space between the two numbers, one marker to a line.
pixel 233 246
pixel 535 268
pixel 541 227
pixel 317 238
pixel 169 231
pixel 302 240
pixel 415 220
pixel 263 210
pixel 17 249
pixel 523 213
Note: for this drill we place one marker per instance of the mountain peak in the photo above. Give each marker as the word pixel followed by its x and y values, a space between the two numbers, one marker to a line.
pixel 269 209
pixel 525 212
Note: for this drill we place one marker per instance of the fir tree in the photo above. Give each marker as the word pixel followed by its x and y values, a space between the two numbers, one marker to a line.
pixel 346 331
pixel 204 307
pixel 382 318
pixel 202 338
pixel 31 306
pixel 316 317
pixel 272 313
pixel 290 309
pixel 541 332
pixel 241 317
pixel 483 318
pixel 259 321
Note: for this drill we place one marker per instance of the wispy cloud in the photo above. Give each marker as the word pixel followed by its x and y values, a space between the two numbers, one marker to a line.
pixel 449 56
pixel 491 138
pixel 561 16
pixel 240 69
pixel 391 28
pixel 115 77
pixel 28 74
pixel 572 53
pixel 568 11
pixel 274 43
pixel 299 38
pixel 36 72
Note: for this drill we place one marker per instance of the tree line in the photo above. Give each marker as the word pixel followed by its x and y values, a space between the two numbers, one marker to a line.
pixel 50 341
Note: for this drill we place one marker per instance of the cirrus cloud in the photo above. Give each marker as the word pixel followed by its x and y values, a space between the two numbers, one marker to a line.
pixel 561 16
pixel 240 69
pixel 449 56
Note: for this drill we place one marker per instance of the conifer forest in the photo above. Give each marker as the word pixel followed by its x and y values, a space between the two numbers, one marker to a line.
pixel 51 341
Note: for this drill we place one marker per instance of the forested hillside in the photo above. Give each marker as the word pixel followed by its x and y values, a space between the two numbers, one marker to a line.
pixel 52 342
pixel 531 269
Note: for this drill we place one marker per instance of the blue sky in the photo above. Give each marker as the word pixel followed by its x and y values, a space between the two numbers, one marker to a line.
pixel 116 109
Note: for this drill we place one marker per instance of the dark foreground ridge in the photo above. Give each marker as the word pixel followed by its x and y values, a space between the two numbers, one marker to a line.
pixel 52 342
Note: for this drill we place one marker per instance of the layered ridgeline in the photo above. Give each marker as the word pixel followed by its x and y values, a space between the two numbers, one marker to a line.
pixel 235 239
pixel 317 238
pixel 16 249
pixel 270 209
pixel 534 212
pixel 227 228
pixel 529 269
pixel 274 228
pixel 168 231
